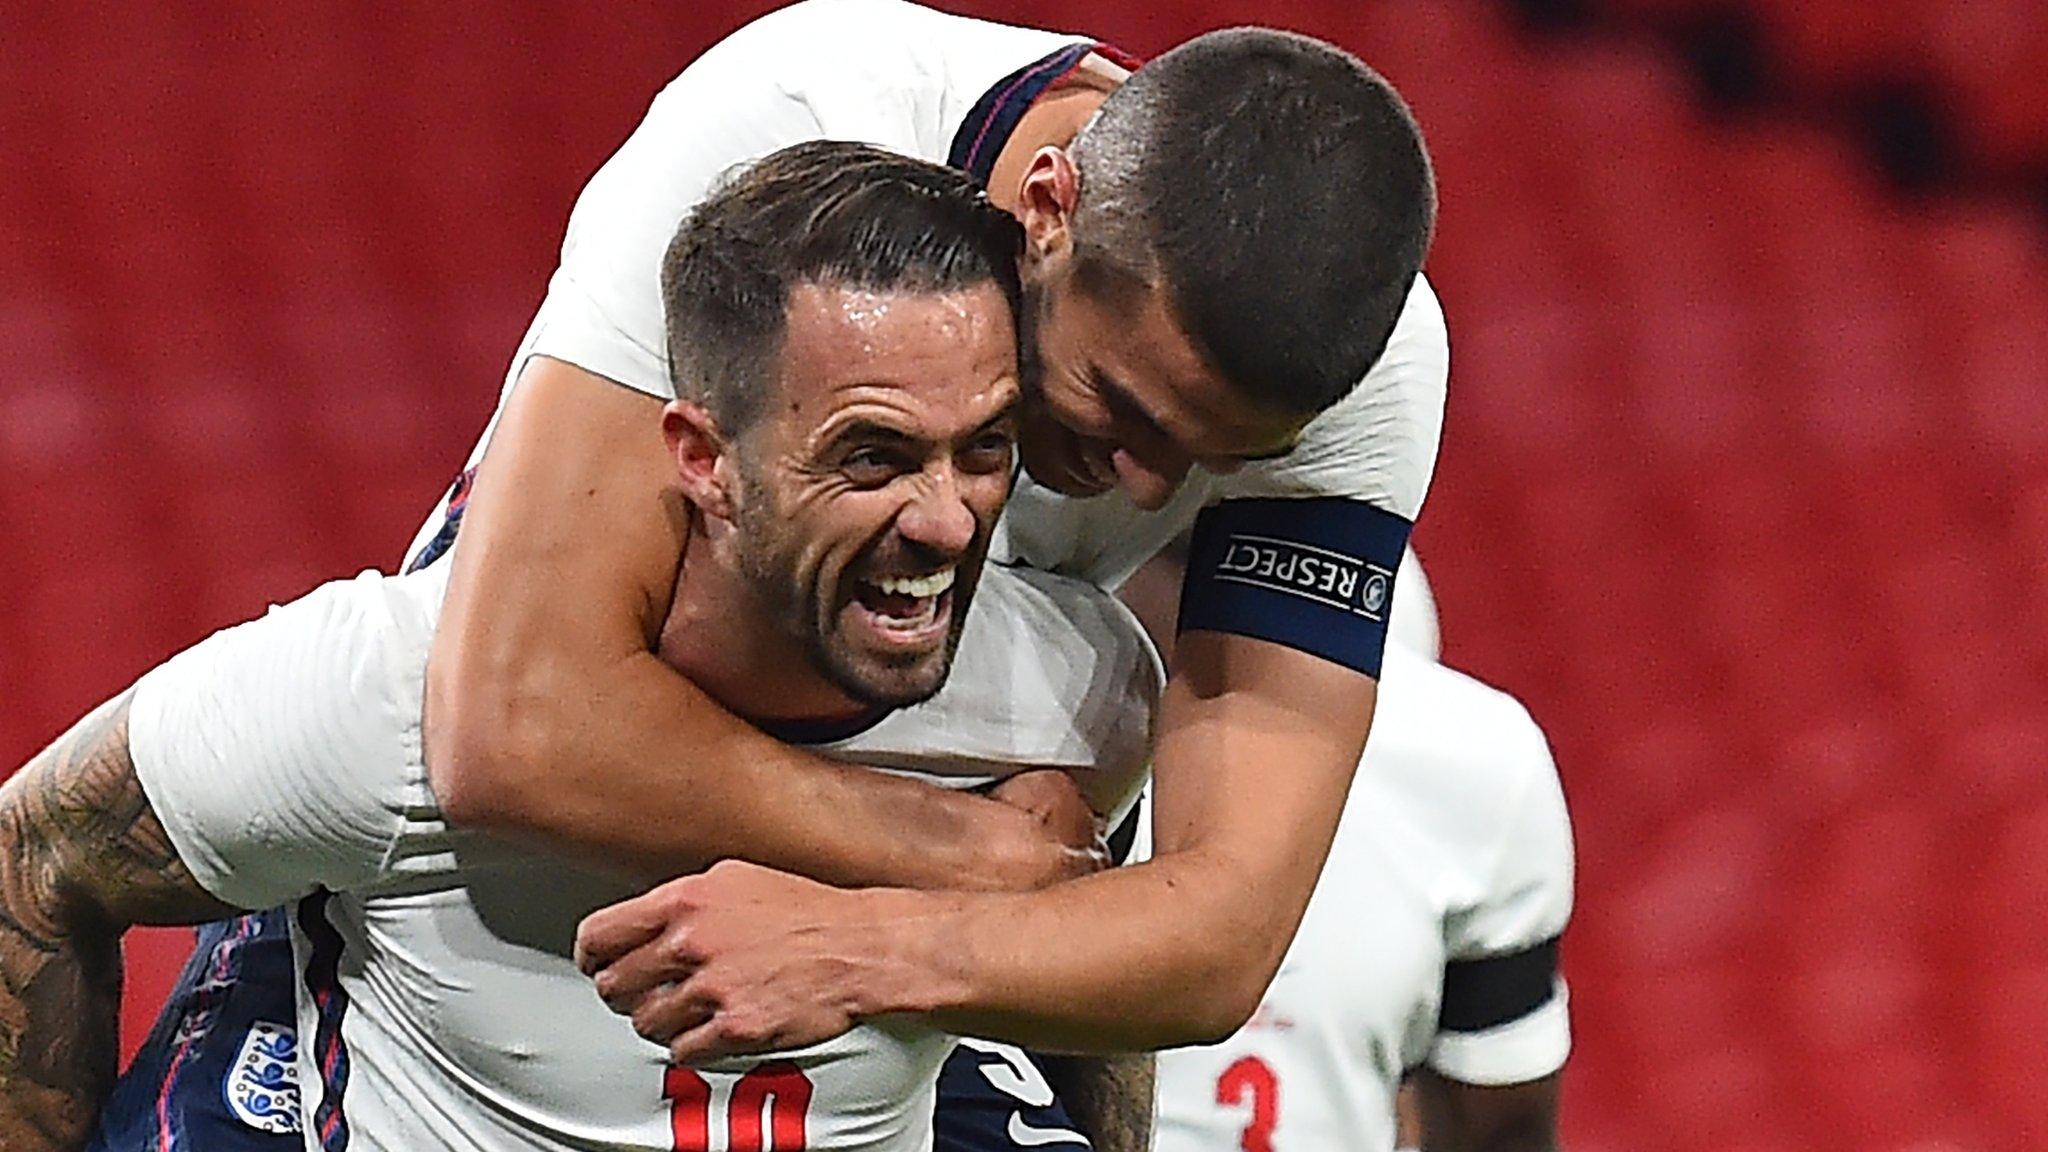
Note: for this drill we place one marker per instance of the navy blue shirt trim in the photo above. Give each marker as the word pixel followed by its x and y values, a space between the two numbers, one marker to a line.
pixel 330 1002
pixel 989 123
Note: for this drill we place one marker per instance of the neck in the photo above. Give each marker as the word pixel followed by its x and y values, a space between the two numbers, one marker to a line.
pixel 718 635
pixel 1052 121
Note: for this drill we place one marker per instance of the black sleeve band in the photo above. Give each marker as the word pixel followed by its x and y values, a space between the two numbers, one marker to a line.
pixel 1482 994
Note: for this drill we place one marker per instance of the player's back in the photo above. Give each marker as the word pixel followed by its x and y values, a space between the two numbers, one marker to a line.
pixel 439 1007
pixel 1451 774
pixel 468 1027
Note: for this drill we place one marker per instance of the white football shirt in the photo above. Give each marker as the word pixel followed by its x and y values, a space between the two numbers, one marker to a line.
pixel 931 85
pixel 439 1006
pixel 1430 939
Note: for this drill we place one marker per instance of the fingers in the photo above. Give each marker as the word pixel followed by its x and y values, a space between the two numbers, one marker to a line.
pixel 670 958
pixel 1040 791
pixel 734 1030
pixel 699 1023
pixel 1087 861
pixel 609 933
pixel 701 1045
pixel 669 1011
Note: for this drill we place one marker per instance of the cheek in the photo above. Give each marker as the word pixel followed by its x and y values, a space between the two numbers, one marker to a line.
pixel 986 495
pixel 822 525
pixel 843 527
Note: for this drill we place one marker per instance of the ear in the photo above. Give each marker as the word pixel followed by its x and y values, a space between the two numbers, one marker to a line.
pixel 698 449
pixel 1045 202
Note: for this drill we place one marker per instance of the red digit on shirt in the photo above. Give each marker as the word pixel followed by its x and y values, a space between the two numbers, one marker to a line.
pixel 1250 1080
pixel 780 1088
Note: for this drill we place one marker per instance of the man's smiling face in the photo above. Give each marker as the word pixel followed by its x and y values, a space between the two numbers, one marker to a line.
pixel 869 492
pixel 1119 396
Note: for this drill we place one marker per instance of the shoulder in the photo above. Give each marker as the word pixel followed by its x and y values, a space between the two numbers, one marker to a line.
pixel 1470 751
pixel 285 752
pixel 1070 663
pixel 1423 693
pixel 796 37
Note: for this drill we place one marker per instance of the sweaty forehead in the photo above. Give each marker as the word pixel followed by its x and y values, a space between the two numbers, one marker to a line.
pixel 946 355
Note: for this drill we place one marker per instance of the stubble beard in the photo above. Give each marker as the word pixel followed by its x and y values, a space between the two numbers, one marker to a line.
pixel 802 608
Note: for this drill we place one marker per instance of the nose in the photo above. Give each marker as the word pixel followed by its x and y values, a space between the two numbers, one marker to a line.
pixel 1149 482
pixel 939 517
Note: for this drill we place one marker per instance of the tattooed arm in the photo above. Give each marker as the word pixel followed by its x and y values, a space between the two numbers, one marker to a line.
pixel 82 857
pixel 1109 1097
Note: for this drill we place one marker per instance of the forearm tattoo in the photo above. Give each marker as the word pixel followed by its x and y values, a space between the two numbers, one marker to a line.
pixel 82 856
pixel 1109 1097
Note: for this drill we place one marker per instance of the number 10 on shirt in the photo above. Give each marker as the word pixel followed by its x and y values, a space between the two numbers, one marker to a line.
pixel 768 1110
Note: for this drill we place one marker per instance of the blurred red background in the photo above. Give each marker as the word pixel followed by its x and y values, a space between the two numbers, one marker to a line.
pixel 1743 486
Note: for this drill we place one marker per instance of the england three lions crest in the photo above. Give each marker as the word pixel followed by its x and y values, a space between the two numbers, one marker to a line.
pixel 262 1087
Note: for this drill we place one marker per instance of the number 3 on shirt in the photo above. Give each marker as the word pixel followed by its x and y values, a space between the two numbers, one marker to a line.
pixel 778 1088
pixel 1250 1080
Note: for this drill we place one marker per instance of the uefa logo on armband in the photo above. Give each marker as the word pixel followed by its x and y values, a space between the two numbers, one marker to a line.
pixel 1374 598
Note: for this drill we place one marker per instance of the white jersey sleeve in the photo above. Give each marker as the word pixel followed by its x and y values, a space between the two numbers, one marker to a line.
pixel 1378 444
pixel 283 754
pixel 1505 1016
pixel 1302 550
pixel 881 72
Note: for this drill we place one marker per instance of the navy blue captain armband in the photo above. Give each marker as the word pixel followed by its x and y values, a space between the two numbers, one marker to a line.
pixel 1316 575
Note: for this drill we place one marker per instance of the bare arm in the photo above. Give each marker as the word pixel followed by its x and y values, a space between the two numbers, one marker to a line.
pixel 1258 749
pixel 1109 1097
pixel 550 718
pixel 82 857
pixel 1467 1118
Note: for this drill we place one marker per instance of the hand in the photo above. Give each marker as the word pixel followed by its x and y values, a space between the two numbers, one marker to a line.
pixel 1071 845
pixel 734 961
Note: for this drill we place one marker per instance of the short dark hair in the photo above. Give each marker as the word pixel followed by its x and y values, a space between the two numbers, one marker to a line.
pixel 1278 191
pixel 827 213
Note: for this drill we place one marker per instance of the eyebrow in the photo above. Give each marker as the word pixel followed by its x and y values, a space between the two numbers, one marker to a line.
pixel 870 430
pixel 865 429
pixel 1121 397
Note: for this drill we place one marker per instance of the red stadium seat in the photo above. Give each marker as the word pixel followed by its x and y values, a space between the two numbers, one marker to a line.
pixel 1741 487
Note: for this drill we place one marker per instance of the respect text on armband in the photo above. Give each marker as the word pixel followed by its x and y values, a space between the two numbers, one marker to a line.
pixel 1348 583
pixel 1313 574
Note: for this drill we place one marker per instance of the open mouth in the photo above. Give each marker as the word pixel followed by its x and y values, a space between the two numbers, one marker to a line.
pixel 906 611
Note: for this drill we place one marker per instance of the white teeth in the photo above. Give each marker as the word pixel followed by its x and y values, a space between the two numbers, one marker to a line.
pixel 919 586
